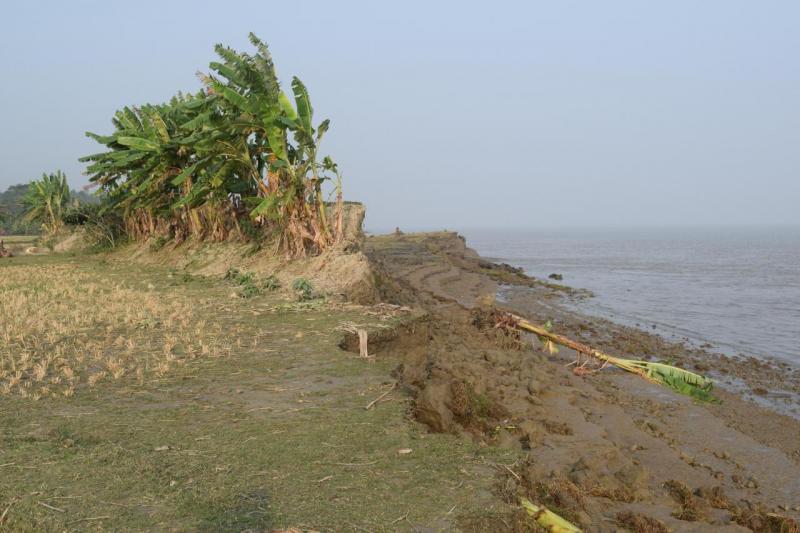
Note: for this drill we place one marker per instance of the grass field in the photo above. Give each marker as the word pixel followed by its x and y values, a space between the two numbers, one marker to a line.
pixel 146 399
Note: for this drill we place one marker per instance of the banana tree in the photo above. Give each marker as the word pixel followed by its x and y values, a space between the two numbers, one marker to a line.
pixel 286 170
pixel 195 165
pixel 46 201
pixel 146 154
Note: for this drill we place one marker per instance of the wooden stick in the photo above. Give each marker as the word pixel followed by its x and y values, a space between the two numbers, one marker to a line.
pixel 3 516
pixel 354 464
pixel 51 507
pixel 379 398
pixel 89 519
pixel 362 343
pixel 512 472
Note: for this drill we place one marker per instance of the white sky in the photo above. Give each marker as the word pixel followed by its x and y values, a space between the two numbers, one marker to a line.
pixel 456 114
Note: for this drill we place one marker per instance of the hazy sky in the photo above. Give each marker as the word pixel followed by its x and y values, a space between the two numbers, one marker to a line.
pixel 456 114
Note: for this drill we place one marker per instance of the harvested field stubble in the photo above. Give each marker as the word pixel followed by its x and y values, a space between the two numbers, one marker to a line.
pixel 64 328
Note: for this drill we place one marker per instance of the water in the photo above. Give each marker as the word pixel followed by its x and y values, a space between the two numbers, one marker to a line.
pixel 738 289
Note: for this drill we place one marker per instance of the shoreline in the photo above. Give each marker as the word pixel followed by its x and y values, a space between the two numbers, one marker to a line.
pixel 735 370
pixel 755 379
pixel 744 447
pixel 718 289
pixel 778 390
pixel 670 333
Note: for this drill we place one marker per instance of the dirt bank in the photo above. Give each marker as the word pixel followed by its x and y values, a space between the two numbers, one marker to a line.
pixel 606 450
pixel 342 271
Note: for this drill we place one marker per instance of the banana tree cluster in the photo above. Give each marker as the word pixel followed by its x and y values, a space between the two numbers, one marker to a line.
pixel 240 157
pixel 46 201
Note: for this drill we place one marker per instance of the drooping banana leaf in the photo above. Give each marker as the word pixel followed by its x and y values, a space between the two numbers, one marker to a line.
pixel 286 106
pixel 677 379
pixel 303 102
pixel 138 143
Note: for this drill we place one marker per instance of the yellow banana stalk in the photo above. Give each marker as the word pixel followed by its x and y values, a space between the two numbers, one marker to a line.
pixel 548 519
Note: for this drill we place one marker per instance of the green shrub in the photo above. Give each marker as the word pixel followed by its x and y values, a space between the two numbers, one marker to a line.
pixel 238 277
pixel 249 290
pixel 158 243
pixel 271 283
pixel 304 289
pixel 250 286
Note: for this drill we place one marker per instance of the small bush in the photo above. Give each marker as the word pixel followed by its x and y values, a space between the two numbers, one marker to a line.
pixel 249 285
pixel 158 243
pixel 249 290
pixel 304 289
pixel 238 277
pixel 271 283
pixel 104 227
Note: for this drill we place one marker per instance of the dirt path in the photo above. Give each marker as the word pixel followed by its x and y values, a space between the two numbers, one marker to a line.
pixel 595 447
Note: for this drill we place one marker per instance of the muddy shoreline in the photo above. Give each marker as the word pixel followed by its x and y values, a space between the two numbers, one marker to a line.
pixel 768 382
pixel 607 449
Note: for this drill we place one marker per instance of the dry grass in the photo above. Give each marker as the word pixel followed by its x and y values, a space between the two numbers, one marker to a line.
pixel 761 521
pixel 561 496
pixel 639 523
pixel 617 494
pixel 691 509
pixel 64 328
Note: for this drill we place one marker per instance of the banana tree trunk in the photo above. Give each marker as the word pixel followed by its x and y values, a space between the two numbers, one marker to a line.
pixel 339 210
pixel 560 339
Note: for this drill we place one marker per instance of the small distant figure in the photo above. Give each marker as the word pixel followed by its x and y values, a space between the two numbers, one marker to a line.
pixel 557 277
pixel 3 251
pixel 397 231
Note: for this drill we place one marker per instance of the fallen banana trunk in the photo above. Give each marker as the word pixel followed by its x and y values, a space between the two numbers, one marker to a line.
pixel 677 379
pixel 547 519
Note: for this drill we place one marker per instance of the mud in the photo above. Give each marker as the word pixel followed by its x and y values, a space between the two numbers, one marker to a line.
pixel 607 450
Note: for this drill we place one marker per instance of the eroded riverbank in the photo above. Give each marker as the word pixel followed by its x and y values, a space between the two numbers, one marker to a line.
pixel 595 446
